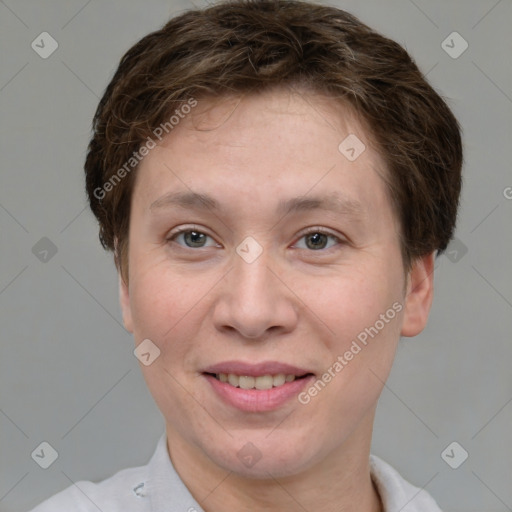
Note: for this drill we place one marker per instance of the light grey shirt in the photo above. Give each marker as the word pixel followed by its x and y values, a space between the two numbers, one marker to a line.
pixel 157 487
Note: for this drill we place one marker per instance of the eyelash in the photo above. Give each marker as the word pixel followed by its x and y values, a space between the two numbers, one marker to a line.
pixel 321 231
pixel 310 231
pixel 187 229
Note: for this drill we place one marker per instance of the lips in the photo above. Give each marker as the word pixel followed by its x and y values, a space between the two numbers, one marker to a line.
pixel 256 387
pixel 256 369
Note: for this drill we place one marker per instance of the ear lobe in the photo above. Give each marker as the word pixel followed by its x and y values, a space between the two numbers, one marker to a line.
pixel 419 295
pixel 124 300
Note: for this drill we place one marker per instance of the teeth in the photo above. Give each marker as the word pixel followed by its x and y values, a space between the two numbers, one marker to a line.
pixel 246 382
pixel 261 383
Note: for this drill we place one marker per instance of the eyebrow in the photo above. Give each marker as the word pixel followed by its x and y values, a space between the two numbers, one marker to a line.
pixel 185 200
pixel 331 202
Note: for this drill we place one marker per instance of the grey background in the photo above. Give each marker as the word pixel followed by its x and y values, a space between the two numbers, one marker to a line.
pixel 68 374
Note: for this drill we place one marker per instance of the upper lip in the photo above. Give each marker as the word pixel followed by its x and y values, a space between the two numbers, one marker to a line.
pixel 256 369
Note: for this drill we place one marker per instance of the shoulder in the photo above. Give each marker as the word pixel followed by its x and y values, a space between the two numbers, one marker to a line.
pixel 123 491
pixel 155 486
pixel 396 493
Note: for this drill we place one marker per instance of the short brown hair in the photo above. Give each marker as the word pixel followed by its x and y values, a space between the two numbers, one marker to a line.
pixel 235 47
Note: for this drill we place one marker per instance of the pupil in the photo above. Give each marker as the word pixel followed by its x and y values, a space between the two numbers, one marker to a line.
pixel 316 241
pixel 194 238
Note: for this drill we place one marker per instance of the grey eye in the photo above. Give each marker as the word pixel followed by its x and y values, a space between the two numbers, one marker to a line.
pixel 193 239
pixel 316 241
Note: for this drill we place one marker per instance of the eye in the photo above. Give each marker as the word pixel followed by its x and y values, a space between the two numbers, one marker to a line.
pixel 192 238
pixel 317 240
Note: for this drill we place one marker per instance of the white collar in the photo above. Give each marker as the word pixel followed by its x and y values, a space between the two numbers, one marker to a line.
pixel 167 492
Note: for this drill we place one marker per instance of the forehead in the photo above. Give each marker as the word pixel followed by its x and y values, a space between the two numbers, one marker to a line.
pixel 291 143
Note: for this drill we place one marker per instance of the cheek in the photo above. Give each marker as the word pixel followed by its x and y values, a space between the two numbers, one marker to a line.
pixel 353 302
pixel 361 358
pixel 161 301
pixel 168 309
pixel 363 311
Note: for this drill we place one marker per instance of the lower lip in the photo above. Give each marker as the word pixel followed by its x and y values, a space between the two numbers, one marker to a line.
pixel 255 400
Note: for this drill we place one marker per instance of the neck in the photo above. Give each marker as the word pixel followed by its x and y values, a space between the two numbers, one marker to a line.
pixel 340 482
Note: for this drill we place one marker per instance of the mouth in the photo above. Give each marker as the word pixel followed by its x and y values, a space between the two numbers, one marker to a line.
pixel 260 382
pixel 258 387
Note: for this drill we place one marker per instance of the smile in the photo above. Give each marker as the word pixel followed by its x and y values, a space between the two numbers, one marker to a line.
pixel 256 387
pixel 259 382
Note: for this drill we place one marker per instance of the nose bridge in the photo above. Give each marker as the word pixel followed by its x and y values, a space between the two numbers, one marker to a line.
pixel 253 300
pixel 252 287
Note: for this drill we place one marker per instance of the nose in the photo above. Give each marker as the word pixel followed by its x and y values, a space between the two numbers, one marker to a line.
pixel 254 301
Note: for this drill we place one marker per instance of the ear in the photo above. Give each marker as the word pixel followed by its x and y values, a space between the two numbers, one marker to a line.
pixel 419 294
pixel 124 300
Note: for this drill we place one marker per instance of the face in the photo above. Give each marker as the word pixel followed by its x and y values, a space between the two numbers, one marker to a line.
pixel 265 266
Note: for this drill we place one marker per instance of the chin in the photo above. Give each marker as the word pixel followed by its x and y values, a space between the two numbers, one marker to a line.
pixel 263 459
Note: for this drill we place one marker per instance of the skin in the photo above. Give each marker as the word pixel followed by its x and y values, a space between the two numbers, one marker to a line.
pixel 294 304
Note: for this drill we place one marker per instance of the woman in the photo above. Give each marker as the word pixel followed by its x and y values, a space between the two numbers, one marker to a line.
pixel 275 179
